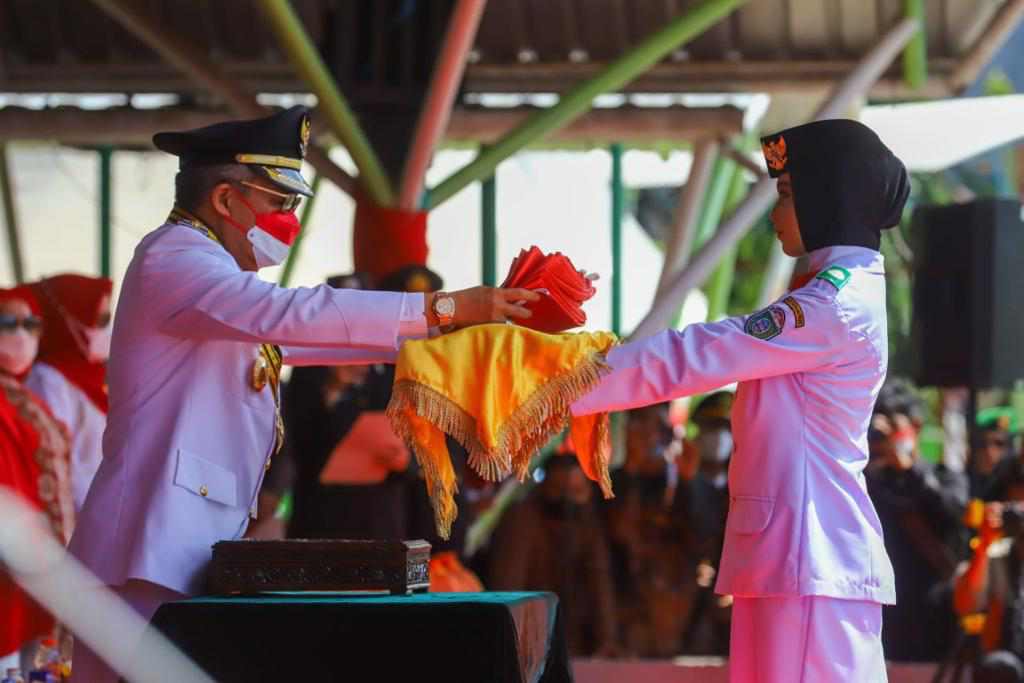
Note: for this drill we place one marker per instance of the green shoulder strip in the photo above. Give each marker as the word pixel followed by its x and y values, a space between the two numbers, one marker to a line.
pixel 837 276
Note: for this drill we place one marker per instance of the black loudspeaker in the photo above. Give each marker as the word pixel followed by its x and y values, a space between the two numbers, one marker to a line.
pixel 968 301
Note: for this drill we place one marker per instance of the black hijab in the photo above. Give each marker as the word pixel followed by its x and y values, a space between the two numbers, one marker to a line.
pixel 847 185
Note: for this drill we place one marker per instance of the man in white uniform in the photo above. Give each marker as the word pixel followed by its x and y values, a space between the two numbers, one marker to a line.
pixel 803 553
pixel 194 419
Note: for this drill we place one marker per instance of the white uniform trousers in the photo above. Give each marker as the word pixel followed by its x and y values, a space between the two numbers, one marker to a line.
pixel 806 640
pixel 143 597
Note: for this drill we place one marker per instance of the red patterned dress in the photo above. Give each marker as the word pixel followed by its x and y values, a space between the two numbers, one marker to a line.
pixel 34 463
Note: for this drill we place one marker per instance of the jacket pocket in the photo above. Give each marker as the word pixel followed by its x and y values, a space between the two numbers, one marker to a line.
pixel 206 479
pixel 750 514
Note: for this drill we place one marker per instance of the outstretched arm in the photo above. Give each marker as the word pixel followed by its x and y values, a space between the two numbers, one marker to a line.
pixel 781 339
pixel 304 355
pixel 201 293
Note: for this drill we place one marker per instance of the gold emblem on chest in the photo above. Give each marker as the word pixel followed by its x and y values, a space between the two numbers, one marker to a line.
pixel 260 373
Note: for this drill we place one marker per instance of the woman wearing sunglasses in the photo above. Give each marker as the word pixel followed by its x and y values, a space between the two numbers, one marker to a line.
pixel 33 463
pixel 70 372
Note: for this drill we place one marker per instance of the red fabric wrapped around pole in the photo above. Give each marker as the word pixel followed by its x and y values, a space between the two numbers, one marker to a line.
pixel 386 239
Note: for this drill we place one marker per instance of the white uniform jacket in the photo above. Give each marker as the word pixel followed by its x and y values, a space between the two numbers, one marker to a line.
pixel 84 421
pixel 188 437
pixel 809 367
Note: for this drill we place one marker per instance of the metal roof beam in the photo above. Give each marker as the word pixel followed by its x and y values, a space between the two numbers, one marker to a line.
pixel 128 127
pixel 437 108
pixel 187 59
pixel 763 193
pixel 578 100
pixel 625 124
pixel 306 59
pixel 691 199
pixel 768 75
pixel 982 52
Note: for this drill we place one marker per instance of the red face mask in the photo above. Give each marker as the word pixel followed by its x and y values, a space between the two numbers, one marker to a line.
pixel 904 441
pixel 272 234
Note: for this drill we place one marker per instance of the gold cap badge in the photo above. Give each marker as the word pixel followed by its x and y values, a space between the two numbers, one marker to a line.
pixel 305 128
pixel 776 155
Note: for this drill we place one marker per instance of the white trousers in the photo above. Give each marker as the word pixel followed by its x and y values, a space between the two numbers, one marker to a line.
pixel 145 598
pixel 806 640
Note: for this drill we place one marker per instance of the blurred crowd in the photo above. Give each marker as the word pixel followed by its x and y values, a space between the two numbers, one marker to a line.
pixel 635 574
pixel 54 343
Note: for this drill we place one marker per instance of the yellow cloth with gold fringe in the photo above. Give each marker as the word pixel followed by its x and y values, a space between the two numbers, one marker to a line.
pixel 502 391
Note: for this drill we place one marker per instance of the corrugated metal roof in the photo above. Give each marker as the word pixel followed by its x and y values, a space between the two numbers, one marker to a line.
pixel 71 45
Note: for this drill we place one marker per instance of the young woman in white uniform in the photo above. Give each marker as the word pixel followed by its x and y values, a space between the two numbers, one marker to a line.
pixel 803 554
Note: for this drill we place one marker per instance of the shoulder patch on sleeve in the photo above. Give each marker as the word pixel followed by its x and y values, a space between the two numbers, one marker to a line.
pixel 798 311
pixel 765 324
pixel 837 276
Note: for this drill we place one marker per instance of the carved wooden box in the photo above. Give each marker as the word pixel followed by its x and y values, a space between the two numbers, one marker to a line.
pixel 255 566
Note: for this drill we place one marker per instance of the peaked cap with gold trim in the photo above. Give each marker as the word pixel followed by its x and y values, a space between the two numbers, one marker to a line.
pixel 274 145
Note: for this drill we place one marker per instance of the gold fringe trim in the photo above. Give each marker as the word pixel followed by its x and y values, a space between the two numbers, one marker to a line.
pixel 445 415
pixel 603 454
pixel 442 498
pixel 524 432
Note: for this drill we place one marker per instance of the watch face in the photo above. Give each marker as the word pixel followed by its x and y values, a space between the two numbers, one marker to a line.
pixel 445 306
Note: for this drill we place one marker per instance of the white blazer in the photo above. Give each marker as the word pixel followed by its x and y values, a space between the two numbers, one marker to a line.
pixel 188 438
pixel 810 367
pixel 84 421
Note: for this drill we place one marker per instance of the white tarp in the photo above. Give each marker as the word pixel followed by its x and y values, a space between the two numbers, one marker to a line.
pixel 933 136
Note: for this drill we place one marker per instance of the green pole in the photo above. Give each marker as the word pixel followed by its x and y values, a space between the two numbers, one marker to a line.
pixel 307 61
pixel 915 55
pixel 105 154
pixel 617 211
pixel 304 219
pixel 578 100
pixel 719 285
pixel 489 231
pixel 11 217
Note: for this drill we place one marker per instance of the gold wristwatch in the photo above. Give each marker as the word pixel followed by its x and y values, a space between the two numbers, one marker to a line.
pixel 443 306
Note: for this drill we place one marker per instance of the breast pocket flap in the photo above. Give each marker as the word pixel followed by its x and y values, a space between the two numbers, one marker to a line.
pixel 206 479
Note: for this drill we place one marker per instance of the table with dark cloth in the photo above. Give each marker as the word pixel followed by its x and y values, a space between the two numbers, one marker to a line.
pixel 452 637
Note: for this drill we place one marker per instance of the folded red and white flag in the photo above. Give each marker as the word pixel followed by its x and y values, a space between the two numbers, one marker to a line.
pixel 562 287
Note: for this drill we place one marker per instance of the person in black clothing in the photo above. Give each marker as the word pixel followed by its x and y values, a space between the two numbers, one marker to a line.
pixel 703 502
pixel 703 496
pixel 553 540
pixel 320 405
pixel 419 513
pixel 650 566
pixel 921 506
pixel 992 584
pixel 991 455
pixel 447 572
